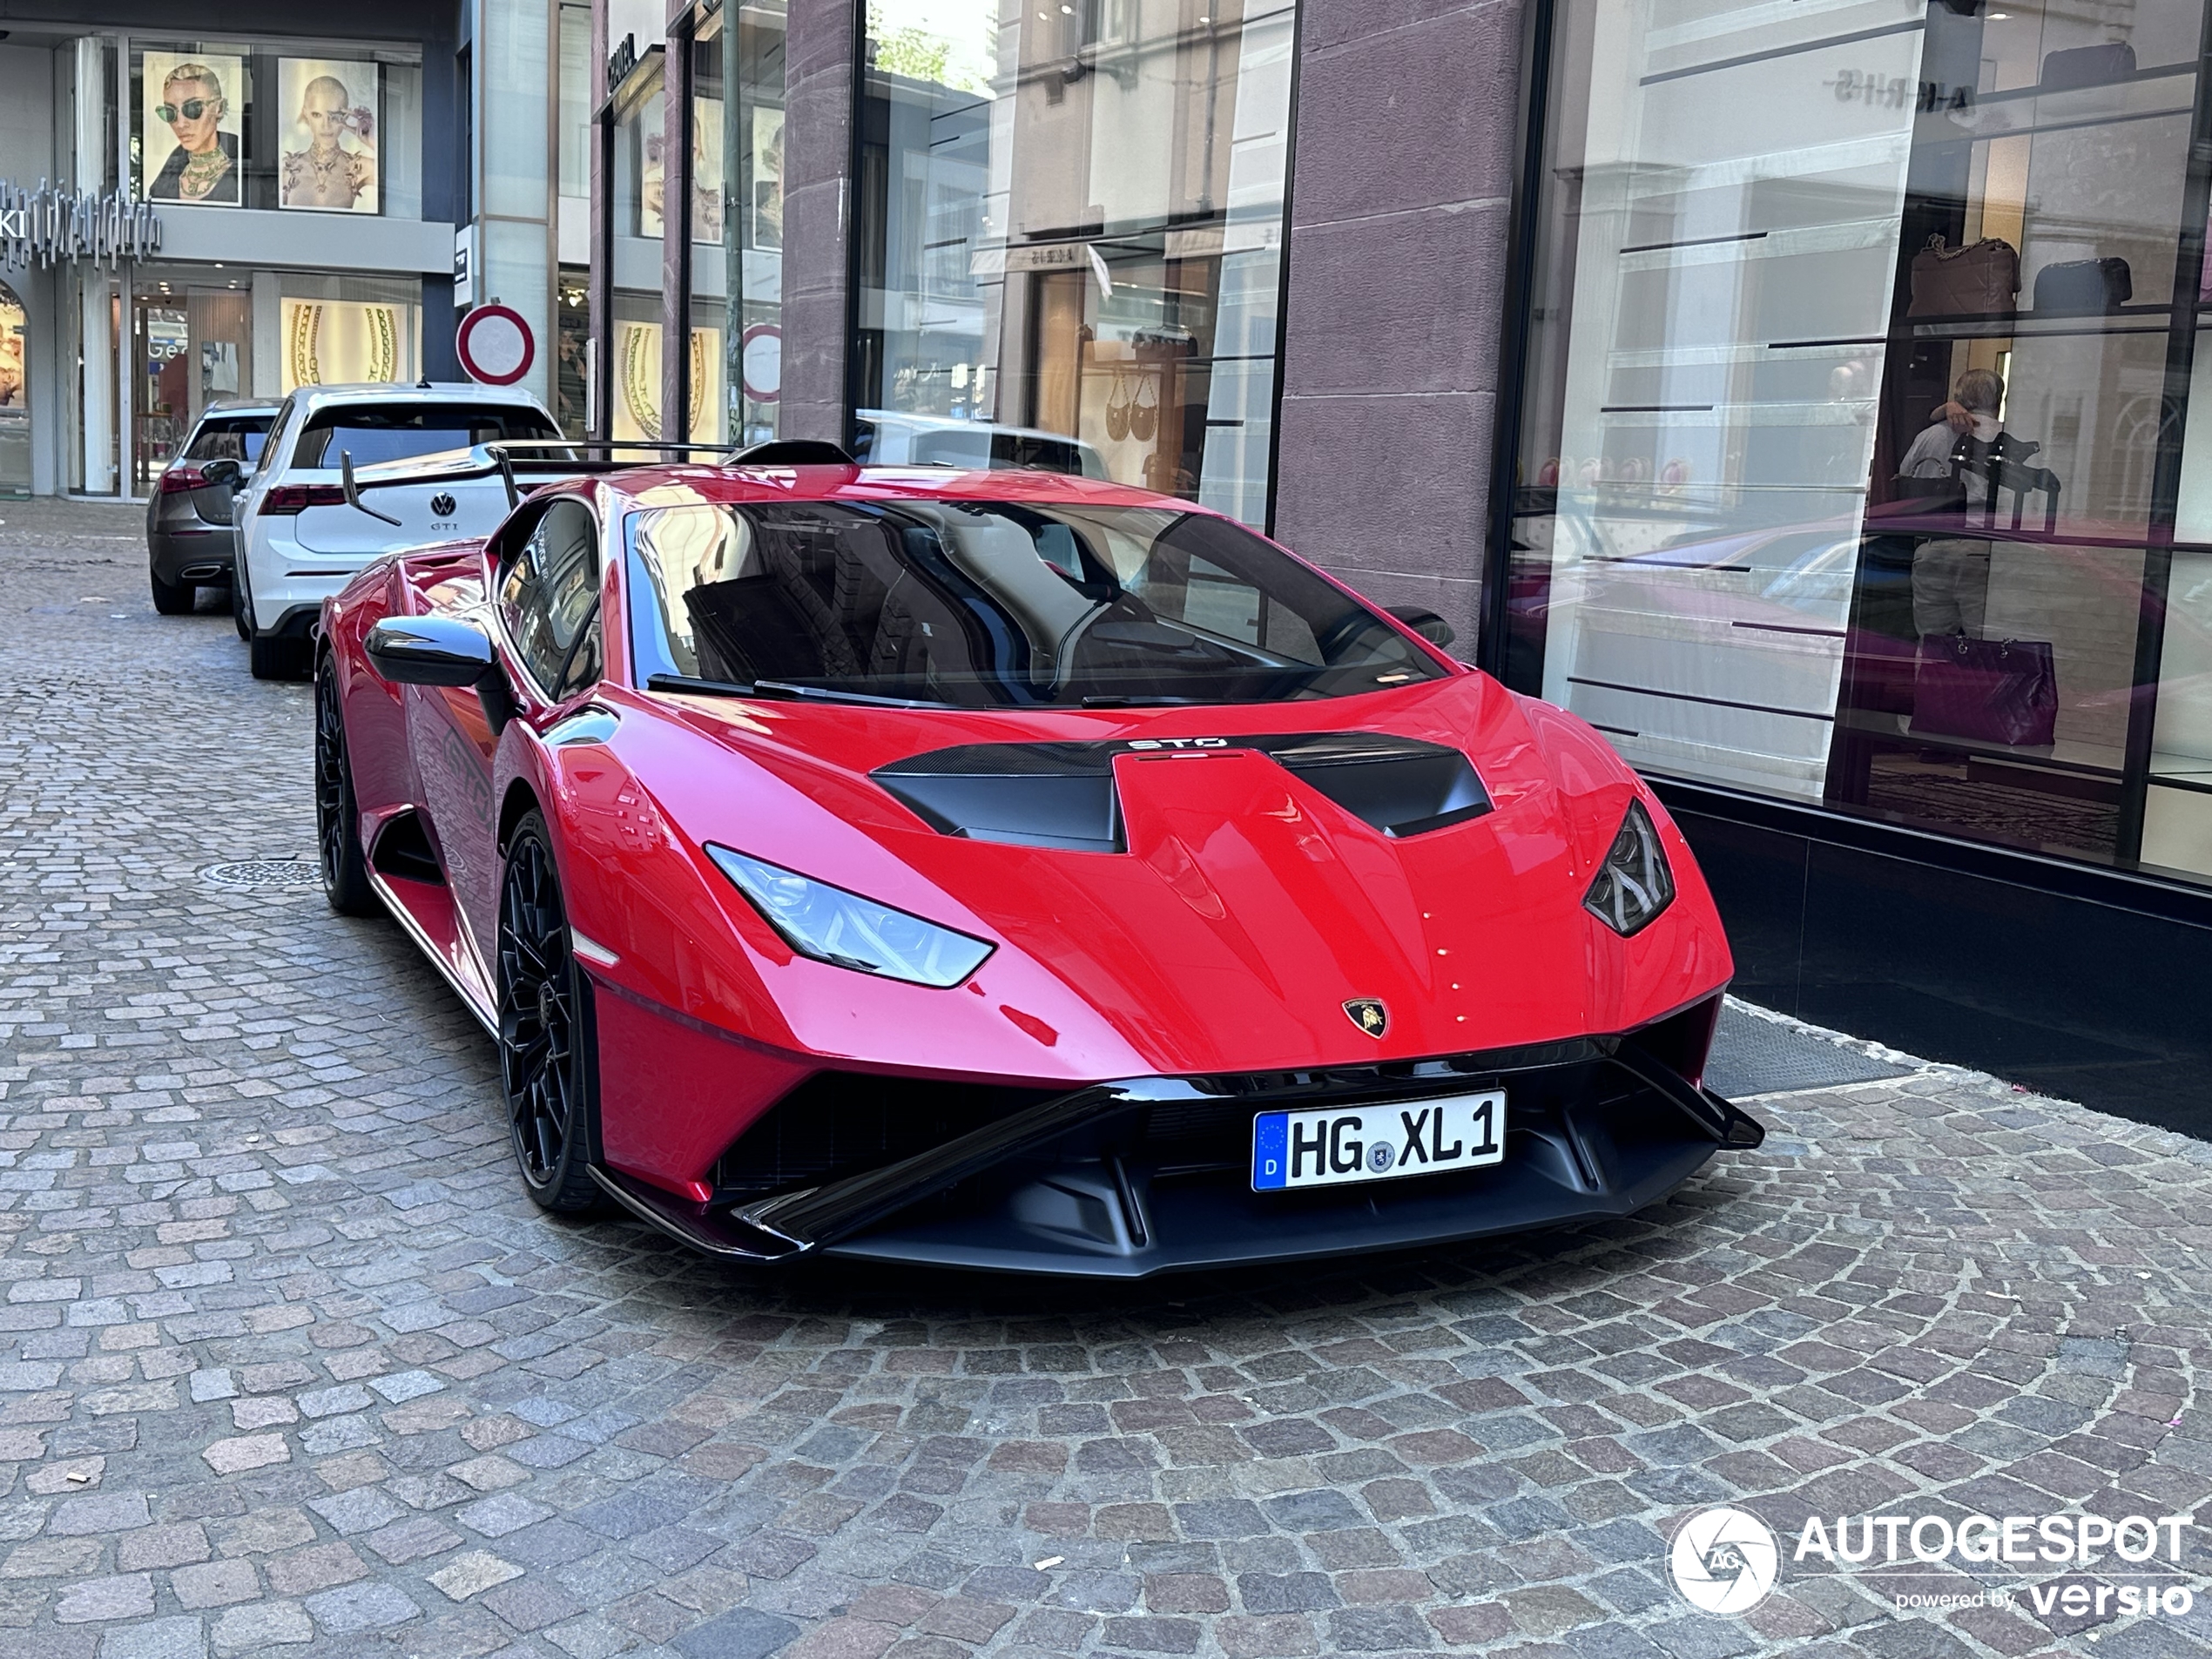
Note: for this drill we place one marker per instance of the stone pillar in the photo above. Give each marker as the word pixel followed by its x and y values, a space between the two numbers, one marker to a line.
pixel 1401 206
pixel 819 76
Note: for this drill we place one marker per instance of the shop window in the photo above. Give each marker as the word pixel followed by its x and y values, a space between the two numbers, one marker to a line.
pixel 1069 226
pixel 192 333
pixel 319 126
pixel 334 330
pixel 1845 464
pixel 15 396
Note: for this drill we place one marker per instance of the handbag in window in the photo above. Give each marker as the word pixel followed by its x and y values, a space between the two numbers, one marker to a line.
pixel 1990 690
pixel 2087 66
pixel 1117 402
pixel 1952 281
pixel 1143 417
pixel 2084 285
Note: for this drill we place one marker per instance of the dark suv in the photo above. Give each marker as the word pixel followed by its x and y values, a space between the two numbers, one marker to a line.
pixel 189 542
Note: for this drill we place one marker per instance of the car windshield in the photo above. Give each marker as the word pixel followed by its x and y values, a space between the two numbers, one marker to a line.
pixel 373 432
pixel 993 603
pixel 229 437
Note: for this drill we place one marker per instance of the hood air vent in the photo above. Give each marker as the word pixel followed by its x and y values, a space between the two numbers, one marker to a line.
pixel 1061 794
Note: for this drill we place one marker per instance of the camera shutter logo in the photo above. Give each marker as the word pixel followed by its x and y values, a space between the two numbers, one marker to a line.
pixel 1724 1560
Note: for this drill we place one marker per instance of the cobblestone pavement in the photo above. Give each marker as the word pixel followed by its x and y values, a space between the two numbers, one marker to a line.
pixel 288 1364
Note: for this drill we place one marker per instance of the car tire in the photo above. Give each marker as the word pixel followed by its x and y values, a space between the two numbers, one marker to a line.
pixel 338 834
pixel 170 598
pixel 274 656
pixel 548 1060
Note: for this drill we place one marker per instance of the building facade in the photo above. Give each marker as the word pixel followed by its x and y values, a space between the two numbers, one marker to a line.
pixel 317 201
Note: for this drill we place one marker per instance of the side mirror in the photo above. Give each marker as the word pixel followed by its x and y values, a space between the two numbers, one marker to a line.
pixel 1425 622
pixel 431 650
pixel 223 471
pixel 443 651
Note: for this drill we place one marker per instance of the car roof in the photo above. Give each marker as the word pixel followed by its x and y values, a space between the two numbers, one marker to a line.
pixel 240 406
pixel 311 398
pixel 679 486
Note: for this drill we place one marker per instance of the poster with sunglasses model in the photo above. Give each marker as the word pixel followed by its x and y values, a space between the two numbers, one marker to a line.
pixel 188 127
pixel 329 161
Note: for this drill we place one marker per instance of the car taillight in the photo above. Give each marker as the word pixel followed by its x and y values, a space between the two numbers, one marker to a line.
pixel 176 480
pixel 297 498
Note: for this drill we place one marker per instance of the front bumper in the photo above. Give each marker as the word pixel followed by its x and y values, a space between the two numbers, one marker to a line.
pixel 1126 1179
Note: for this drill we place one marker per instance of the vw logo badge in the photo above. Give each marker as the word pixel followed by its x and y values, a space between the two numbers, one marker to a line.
pixel 441 505
pixel 1369 1014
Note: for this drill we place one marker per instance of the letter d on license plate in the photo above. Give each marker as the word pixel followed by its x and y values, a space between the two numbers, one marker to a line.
pixel 1334 1145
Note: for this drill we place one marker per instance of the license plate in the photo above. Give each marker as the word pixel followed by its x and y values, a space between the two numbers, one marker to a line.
pixel 1335 1145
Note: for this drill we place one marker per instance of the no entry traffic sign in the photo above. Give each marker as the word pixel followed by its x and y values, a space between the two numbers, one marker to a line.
pixel 494 345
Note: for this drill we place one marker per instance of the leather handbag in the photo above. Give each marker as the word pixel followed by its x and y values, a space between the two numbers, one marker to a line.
pixel 2084 285
pixel 2087 66
pixel 1991 691
pixel 1949 281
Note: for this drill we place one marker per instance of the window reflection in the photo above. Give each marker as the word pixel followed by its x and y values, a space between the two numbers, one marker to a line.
pixel 1069 224
pixel 1846 466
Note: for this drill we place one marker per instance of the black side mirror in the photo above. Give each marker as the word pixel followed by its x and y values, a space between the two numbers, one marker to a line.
pixel 1425 622
pixel 223 471
pixel 443 651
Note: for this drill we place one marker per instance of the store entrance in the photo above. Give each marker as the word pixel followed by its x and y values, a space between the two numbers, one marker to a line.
pixel 15 396
pixel 193 345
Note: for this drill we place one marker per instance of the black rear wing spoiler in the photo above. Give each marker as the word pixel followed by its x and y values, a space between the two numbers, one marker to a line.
pixel 547 460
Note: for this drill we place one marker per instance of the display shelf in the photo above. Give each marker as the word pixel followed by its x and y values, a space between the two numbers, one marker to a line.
pixel 2088 760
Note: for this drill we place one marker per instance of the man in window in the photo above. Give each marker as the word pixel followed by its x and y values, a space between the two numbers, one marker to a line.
pixel 1956 460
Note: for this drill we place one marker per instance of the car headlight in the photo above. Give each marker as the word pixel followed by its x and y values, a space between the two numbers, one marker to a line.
pixel 833 926
pixel 1634 884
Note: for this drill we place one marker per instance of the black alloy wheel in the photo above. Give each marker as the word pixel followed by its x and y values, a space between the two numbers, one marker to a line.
pixel 545 1053
pixel 338 835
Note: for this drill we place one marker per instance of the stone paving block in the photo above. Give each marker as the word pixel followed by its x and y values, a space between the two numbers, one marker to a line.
pixel 216 1583
pixel 127 1596
pixel 361 1607
pixel 264 1625
pixel 477 1570
pixel 169 1638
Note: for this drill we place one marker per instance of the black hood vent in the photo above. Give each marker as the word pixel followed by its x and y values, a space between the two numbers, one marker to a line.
pixel 1061 794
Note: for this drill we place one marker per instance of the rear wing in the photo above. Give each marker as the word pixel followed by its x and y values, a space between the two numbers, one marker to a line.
pixel 525 464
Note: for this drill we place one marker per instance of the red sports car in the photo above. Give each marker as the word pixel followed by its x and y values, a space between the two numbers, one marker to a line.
pixel 1008 870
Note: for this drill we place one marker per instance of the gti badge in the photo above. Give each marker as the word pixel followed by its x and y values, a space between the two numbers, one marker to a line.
pixel 441 505
pixel 1369 1014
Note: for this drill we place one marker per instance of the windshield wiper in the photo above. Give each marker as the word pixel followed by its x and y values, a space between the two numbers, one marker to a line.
pixel 696 687
pixel 1144 702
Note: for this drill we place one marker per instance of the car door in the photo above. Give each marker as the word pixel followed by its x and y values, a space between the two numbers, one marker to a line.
pixel 544 607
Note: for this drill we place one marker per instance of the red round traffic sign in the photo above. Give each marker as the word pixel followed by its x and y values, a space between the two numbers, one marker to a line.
pixel 496 345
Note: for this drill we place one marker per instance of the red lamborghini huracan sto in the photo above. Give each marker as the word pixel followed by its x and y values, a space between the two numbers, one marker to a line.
pixel 1008 870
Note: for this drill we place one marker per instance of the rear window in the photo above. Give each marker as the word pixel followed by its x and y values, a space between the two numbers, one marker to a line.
pixel 402 431
pixel 229 437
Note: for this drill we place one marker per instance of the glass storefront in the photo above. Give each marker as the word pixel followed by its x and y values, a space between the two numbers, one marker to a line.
pixel 1858 461
pixel 1068 235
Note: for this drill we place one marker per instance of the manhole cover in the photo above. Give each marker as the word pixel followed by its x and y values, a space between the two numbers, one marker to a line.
pixel 263 875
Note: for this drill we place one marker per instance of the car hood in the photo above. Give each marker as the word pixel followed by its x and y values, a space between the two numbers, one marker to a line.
pixel 1246 897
